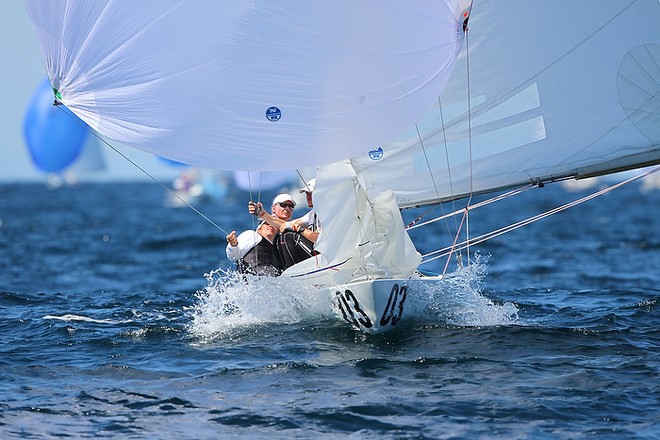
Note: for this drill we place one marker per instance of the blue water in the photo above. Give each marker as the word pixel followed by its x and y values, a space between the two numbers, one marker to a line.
pixel 110 329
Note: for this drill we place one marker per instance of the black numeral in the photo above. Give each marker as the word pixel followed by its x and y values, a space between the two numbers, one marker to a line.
pixel 397 297
pixel 351 310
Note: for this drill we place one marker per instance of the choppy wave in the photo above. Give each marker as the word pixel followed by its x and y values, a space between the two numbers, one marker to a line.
pixel 232 301
pixel 69 318
pixel 460 300
pixel 556 337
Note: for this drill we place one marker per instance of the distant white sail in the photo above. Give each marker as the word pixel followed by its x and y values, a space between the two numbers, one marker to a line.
pixel 91 157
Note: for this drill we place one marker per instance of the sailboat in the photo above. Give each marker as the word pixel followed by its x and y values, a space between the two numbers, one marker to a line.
pixel 396 105
pixel 55 140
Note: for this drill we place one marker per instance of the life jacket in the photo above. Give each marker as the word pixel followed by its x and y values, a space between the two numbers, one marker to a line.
pixel 262 259
pixel 293 248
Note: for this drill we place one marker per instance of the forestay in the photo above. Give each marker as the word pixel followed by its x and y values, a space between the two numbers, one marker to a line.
pixel 248 85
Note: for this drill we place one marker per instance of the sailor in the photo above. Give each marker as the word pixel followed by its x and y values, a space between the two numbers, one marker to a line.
pixel 310 222
pixel 254 251
pixel 296 240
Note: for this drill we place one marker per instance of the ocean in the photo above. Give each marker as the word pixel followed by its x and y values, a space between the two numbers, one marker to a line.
pixel 111 326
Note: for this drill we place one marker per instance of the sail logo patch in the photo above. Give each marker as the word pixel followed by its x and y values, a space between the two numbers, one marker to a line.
pixel 273 114
pixel 376 153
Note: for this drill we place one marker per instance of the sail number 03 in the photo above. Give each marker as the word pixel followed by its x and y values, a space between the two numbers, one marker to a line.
pixel 353 312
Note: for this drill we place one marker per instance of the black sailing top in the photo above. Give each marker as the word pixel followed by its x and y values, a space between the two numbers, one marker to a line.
pixel 262 259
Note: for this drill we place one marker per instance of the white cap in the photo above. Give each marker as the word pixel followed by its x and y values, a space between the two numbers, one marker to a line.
pixel 309 186
pixel 284 197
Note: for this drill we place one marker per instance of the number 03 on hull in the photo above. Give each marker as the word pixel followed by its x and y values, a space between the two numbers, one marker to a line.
pixel 379 306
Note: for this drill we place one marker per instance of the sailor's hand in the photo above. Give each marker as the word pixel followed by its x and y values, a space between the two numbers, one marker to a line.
pixel 291 227
pixel 231 238
pixel 256 209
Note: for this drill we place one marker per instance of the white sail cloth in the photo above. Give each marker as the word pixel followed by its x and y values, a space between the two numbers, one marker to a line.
pixel 362 238
pixel 558 89
pixel 269 180
pixel 248 85
pixel 555 89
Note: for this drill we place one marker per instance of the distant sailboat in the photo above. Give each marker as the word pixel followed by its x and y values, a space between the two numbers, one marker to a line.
pixel 194 185
pixel 91 158
pixel 54 137
pixel 651 183
pixel 391 118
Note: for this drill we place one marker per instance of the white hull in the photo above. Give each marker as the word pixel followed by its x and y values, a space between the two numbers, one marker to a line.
pixel 379 306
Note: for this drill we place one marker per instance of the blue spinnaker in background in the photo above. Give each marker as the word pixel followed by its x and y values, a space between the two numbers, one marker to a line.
pixel 54 136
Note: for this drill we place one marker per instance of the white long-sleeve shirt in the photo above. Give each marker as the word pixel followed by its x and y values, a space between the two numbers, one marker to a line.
pixel 312 221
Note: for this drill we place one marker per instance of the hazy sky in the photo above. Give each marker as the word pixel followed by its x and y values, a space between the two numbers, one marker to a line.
pixel 22 71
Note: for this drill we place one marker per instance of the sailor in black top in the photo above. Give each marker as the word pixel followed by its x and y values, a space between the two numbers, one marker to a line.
pixel 254 251
pixel 296 240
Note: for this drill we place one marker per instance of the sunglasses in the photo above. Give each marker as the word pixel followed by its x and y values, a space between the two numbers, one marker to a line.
pixel 287 205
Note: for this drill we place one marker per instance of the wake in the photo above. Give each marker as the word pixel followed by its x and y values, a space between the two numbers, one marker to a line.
pixel 459 300
pixel 232 303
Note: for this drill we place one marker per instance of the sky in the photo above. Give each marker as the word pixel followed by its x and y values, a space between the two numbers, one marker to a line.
pixel 22 71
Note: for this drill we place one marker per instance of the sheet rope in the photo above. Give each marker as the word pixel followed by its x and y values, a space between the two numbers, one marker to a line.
pixel 495 233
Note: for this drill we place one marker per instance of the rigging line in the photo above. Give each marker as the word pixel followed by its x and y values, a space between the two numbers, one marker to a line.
pixel 465 219
pixel 249 173
pixel 448 250
pixel 444 138
pixel 426 158
pixel 444 135
pixel 304 182
pixel 469 110
pixel 255 220
pixel 428 165
pixel 261 177
pixel 475 206
pixel 453 245
pixel 459 247
pixel 197 211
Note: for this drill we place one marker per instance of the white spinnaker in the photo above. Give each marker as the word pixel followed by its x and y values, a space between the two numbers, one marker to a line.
pixel 248 85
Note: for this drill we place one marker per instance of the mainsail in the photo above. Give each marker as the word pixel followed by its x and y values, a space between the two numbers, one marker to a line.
pixel 540 91
pixel 552 90
pixel 248 85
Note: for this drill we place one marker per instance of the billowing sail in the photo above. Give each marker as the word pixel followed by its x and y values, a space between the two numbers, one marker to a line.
pixel 556 89
pixel 248 85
